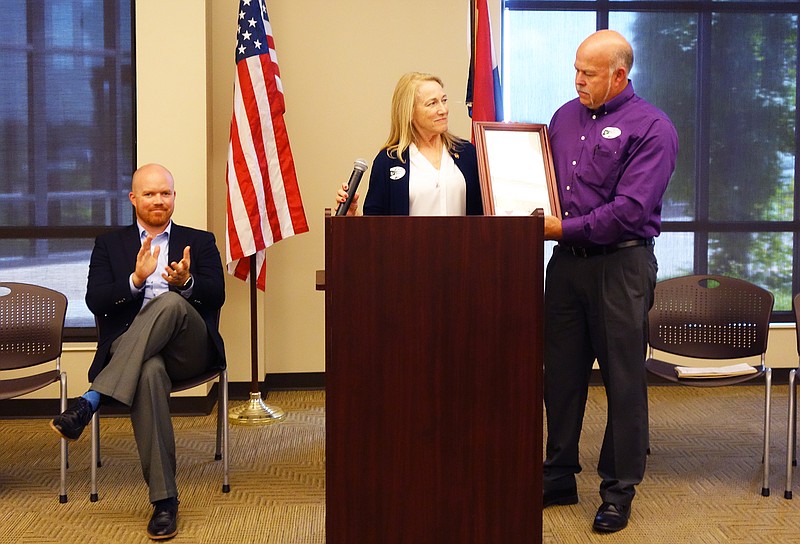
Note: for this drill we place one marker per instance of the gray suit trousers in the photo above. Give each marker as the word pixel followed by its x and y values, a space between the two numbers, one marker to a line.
pixel 166 341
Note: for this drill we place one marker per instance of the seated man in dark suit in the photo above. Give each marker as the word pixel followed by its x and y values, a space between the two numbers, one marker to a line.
pixel 156 289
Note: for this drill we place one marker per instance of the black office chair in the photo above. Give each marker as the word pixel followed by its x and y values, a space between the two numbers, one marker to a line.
pixel 31 335
pixel 713 317
pixel 221 452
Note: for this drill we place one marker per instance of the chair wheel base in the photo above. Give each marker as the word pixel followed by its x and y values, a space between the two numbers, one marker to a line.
pixel 765 492
pixel 787 495
pixel 226 488
pixel 93 497
pixel 62 499
pixel 217 457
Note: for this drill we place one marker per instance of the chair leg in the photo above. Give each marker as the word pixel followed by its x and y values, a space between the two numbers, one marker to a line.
pixel 220 400
pixel 794 431
pixel 221 441
pixel 222 413
pixel 767 415
pixel 62 495
pixel 95 455
pixel 791 436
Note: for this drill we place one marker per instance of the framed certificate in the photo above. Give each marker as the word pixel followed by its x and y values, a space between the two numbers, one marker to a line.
pixel 515 165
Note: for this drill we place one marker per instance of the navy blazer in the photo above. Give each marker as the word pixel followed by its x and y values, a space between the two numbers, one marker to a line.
pixel 387 196
pixel 108 293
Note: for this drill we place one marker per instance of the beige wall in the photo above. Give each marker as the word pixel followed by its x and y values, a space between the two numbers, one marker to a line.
pixel 339 62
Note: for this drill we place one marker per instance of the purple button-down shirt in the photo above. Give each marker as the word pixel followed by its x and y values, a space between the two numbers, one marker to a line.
pixel 612 166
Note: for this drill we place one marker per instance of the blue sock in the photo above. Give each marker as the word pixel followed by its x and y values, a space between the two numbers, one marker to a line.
pixel 94 399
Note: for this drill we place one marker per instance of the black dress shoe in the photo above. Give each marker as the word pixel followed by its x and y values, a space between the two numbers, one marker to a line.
pixel 611 517
pixel 164 523
pixel 560 497
pixel 71 422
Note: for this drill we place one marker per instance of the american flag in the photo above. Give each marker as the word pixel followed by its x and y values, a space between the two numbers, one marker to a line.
pixel 264 204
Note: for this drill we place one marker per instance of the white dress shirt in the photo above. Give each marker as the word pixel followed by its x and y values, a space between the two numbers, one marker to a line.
pixel 432 191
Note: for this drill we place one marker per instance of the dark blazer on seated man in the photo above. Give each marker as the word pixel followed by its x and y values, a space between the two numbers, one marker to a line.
pixel 155 289
pixel 108 294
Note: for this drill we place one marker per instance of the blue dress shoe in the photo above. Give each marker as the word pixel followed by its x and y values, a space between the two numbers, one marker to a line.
pixel 611 517
pixel 72 421
pixel 560 497
pixel 164 523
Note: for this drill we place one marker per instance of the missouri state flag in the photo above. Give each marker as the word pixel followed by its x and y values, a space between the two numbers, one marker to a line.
pixel 484 97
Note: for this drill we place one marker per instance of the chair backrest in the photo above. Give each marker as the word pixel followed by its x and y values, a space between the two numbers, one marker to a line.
pixel 31 324
pixel 710 317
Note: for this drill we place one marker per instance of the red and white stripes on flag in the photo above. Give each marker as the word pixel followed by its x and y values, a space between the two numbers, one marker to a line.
pixel 264 203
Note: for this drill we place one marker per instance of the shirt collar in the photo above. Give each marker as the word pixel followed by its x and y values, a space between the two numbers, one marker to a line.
pixel 143 232
pixel 616 102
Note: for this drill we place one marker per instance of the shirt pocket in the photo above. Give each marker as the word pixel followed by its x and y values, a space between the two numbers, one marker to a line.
pixel 602 168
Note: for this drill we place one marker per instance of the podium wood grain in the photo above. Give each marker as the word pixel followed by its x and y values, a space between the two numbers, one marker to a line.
pixel 433 379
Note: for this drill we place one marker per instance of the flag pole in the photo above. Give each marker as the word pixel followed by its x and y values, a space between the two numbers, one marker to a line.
pixel 255 411
pixel 264 203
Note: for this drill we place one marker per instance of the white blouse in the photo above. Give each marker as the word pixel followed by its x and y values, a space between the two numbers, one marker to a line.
pixel 432 191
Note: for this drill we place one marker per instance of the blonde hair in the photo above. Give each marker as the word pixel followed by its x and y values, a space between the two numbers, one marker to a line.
pixel 401 132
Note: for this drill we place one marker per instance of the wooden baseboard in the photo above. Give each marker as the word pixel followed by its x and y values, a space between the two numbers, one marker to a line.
pixel 179 406
pixel 202 405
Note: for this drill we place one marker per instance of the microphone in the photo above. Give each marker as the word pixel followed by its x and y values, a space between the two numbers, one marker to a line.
pixel 359 167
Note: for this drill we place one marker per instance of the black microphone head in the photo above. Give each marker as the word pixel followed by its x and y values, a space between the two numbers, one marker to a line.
pixel 360 165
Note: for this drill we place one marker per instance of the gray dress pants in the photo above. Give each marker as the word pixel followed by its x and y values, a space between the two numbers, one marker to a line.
pixel 167 340
pixel 596 308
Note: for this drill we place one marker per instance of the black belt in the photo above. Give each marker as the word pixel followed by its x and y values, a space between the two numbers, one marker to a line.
pixel 593 251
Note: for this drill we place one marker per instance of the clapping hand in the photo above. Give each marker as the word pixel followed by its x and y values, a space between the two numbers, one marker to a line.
pixel 177 274
pixel 146 261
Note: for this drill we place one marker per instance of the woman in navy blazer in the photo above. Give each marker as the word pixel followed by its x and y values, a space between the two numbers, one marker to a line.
pixel 420 150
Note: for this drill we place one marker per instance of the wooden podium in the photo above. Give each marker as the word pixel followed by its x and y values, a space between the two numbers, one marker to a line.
pixel 433 379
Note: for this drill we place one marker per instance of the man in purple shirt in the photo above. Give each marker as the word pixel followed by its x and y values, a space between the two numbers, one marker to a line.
pixel 614 154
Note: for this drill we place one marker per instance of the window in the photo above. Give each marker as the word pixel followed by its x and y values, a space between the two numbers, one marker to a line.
pixel 726 73
pixel 67 153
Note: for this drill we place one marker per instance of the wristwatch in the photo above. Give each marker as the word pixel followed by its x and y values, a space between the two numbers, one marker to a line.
pixel 187 284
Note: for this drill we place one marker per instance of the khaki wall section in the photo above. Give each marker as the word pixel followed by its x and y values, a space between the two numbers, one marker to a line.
pixel 339 63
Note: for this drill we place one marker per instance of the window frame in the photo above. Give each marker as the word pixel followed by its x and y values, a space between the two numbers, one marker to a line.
pixel 702 226
pixel 37 128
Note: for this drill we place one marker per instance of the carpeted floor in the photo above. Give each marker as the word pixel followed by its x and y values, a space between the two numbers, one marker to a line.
pixel 277 482
pixel 702 483
pixel 703 478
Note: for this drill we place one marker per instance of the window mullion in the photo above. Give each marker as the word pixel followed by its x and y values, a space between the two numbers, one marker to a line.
pixel 703 139
pixel 796 215
pixel 37 120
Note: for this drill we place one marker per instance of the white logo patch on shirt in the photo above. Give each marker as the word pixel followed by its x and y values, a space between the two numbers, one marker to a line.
pixel 396 172
pixel 609 133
